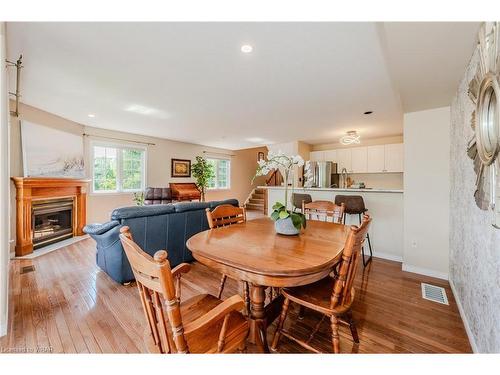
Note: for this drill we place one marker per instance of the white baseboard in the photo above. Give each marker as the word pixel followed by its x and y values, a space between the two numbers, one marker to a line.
pixel 470 336
pixel 395 258
pixel 424 271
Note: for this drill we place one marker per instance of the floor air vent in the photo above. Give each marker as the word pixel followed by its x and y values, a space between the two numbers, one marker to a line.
pixel 434 293
pixel 27 269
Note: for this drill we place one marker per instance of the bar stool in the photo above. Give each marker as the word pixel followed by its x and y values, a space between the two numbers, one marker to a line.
pixel 355 205
pixel 298 199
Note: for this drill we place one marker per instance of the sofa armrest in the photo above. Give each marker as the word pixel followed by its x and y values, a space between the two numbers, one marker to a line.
pixel 96 229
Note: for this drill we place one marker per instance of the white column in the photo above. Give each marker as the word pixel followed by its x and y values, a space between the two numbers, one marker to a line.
pixel 4 186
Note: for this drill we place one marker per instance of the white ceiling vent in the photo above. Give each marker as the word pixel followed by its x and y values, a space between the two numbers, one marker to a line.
pixel 434 293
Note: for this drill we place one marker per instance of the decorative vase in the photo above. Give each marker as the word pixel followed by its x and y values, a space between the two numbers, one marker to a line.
pixel 286 227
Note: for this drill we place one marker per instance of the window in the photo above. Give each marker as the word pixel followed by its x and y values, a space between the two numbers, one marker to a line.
pixel 117 168
pixel 222 169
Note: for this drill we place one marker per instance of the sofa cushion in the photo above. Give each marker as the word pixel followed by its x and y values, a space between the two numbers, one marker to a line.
pixel 190 206
pixel 157 196
pixel 213 204
pixel 141 211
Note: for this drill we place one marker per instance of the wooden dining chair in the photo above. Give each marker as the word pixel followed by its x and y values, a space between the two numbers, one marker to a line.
pixel 323 210
pixel 222 216
pixel 202 324
pixel 331 296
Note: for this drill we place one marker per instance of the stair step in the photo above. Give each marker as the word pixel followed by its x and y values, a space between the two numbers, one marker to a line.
pixel 256 201
pixel 251 206
pixel 258 196
pixel 260 191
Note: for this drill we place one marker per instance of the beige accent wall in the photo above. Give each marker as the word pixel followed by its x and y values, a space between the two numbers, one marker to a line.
pixel 99 207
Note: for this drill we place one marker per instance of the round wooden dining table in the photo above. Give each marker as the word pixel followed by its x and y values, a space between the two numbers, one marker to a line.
pixel 252 251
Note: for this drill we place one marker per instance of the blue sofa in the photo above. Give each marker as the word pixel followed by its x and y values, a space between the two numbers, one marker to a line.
pixel 154 227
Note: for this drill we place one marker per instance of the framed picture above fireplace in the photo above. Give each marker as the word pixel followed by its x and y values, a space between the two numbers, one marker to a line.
pixel 180 168
pixel 49 152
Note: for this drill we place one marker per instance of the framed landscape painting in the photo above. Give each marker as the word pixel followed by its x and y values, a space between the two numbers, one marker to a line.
pixel 49 152
pixel 181 168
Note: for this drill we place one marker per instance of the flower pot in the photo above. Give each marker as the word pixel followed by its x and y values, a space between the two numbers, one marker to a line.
pixel 286 227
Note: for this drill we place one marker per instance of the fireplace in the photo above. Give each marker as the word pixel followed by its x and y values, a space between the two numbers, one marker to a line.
pixel 48 210
pixel 52 221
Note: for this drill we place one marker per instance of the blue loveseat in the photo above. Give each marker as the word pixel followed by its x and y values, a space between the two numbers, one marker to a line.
pixel 155 227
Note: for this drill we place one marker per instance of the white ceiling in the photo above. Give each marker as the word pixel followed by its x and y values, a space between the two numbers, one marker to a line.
pixel 428 60
pixel 303 81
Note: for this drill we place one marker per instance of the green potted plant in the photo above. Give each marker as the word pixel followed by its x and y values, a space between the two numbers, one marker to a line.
pixel 203 172
pixel 138 198
pixel 286 221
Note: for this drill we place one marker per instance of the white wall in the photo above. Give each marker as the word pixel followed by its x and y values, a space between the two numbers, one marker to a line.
pixel 426 192
pixel 4 187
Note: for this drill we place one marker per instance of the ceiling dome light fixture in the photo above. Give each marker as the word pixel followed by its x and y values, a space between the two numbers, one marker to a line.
pixel 246 48
pixel 351 137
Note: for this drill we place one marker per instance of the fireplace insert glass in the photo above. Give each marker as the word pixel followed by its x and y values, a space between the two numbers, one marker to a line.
pixel 52 221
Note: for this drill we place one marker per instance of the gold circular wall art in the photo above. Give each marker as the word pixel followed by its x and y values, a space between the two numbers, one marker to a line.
pixel 484 147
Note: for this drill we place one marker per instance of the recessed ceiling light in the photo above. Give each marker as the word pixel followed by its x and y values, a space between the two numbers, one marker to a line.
pixel 246 48
pixel 368 112
pixel 91 115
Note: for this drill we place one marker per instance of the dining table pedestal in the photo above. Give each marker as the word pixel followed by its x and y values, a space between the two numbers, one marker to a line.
pixel 253 252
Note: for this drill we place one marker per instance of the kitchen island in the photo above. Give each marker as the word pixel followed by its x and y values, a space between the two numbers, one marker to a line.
pixel 384 205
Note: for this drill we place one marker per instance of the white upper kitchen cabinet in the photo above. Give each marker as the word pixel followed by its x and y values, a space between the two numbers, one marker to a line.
pixel 394 157
pixel 376 159
pixel 358 160
pixel 330 155
pixel 344 160
pixel 317 156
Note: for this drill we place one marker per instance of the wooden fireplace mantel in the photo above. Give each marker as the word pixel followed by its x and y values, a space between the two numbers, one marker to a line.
pixel 29 189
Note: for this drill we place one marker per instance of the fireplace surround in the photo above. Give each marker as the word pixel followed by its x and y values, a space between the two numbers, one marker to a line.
pixel 48 210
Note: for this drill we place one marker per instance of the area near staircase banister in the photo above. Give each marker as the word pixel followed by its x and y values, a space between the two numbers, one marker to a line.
pixel 256 200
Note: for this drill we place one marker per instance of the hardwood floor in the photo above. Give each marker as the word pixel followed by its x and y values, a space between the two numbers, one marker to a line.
pixel 68 305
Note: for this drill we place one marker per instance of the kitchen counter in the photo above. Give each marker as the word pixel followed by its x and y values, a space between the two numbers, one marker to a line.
pixel 384 205
pixel 365 190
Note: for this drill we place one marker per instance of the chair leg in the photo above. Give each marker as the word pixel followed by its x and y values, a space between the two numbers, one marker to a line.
pixel 301 312
pixel 221 286
pixel 366 261
pixel 352 326
pixel 335 334
pixel 277 334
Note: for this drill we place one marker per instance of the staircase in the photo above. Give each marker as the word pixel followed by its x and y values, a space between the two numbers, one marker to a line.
pixel 255 200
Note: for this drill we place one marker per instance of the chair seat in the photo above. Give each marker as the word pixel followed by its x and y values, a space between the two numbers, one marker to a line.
pixel 206 340
pixel 317 296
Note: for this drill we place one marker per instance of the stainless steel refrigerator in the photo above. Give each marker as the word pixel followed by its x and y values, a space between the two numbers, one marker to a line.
pixel 325 174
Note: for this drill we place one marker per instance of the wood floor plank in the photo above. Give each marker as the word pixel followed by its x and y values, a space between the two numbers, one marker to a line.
pixel 69 304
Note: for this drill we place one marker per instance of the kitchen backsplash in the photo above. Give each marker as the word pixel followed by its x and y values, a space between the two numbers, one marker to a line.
pixel 380 180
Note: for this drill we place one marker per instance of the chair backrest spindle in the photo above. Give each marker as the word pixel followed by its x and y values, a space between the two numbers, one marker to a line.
pixel 341 294
pixel 225 214
pixel 154 279
pixel 323 209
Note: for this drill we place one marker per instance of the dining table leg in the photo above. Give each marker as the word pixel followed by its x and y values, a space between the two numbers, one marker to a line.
pixel 258 320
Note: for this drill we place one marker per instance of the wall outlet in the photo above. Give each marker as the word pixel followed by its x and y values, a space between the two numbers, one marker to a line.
pixel 414 244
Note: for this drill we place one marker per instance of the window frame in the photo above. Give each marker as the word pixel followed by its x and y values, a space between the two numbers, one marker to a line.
pixel 119 167
pixel 217 187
